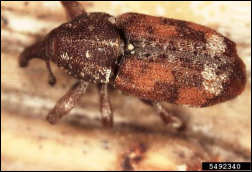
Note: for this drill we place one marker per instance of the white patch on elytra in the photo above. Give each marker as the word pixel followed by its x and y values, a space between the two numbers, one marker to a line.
pixel 216 45
pixel 213 83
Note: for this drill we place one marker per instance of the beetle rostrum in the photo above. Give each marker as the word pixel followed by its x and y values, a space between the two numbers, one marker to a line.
pixel 154 58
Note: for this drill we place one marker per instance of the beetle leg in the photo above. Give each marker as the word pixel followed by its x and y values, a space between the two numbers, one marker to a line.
pixel 105 107
pixel 73 8
pixel 67 102
pixel 51 77
pixel 167 117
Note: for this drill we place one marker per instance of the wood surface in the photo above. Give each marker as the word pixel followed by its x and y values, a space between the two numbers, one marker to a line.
pixel 139 140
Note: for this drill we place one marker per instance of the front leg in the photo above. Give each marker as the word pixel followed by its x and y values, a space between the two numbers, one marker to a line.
pixel 106 110
pixel 167 117
pixel 73 8
pixel 67 102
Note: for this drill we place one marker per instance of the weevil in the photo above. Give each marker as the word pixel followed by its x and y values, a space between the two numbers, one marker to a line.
pixel 154 58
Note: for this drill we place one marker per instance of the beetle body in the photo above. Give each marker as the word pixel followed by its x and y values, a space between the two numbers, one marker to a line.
pixel 164 60
pixel 154 58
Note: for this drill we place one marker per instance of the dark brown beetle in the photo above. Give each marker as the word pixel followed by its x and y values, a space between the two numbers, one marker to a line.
pixel 154 58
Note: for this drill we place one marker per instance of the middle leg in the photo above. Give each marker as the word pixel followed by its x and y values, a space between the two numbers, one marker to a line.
pixel 106 110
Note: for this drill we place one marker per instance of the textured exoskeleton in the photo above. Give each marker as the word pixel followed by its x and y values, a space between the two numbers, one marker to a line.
pixel 154 58
pixel 178 62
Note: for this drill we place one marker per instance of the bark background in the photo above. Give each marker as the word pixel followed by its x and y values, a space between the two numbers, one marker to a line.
pixel 139 140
